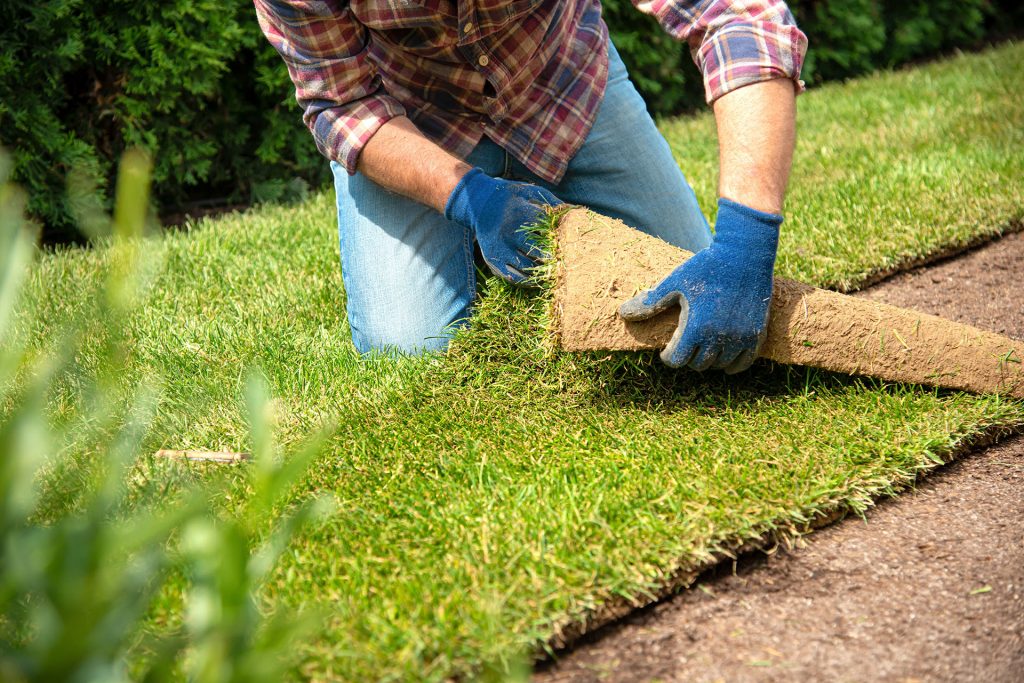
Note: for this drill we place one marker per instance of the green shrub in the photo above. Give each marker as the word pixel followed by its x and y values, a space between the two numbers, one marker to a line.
pixel 856 36
pixel 193 81
pixel 845 37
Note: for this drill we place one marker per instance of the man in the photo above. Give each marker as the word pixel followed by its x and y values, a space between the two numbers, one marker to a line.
pixel 453 122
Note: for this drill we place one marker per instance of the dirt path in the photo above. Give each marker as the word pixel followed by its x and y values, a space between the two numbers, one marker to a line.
pixel 929 588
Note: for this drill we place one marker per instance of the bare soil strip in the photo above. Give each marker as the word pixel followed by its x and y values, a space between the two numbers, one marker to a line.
pixel 929 587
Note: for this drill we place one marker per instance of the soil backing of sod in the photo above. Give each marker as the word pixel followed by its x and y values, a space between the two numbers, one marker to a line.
pixel 493 500
pixel 601 263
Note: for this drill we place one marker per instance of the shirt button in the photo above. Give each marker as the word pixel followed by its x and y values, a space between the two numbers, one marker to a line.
pixel 468 27
pixel 484 60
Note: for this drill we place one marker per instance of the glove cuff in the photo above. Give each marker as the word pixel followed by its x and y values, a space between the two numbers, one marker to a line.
pixel 473 189
pixel 748 213
pixel 742 225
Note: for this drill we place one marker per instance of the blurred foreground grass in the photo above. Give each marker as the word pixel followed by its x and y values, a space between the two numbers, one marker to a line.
pixel 81 564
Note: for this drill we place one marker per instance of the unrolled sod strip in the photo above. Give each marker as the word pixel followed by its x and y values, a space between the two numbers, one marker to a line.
pixel 602 263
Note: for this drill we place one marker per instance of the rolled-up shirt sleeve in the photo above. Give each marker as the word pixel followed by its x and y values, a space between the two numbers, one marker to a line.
pixel 325 50
pixel 734 43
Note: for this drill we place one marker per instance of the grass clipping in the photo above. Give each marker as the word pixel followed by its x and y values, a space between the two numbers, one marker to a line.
pixel 601 263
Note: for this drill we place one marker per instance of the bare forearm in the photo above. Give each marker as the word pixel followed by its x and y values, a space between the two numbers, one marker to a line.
pixel 756 133
pixel 400 158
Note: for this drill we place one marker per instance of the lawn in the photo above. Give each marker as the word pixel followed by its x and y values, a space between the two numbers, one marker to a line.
pixel 496 497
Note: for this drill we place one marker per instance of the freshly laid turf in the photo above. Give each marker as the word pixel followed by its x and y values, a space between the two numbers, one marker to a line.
pixel 493 497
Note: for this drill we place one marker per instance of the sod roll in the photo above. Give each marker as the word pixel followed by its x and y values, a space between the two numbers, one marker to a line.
pixel 601 263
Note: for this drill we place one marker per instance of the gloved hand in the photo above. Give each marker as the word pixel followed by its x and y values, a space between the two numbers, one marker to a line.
pixel 723 291
pixel 497 210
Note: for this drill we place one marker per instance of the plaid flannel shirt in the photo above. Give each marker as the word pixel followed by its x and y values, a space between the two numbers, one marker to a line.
pixel 528 74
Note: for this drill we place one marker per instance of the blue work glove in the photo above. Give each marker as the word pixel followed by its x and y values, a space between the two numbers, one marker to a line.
pixel 723 292
pixel 497 210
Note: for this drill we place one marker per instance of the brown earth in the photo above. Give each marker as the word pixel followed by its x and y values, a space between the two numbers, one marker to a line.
pixel 929 587
pixel 603 263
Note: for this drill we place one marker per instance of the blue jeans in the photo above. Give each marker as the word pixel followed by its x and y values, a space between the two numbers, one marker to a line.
pixel 410 274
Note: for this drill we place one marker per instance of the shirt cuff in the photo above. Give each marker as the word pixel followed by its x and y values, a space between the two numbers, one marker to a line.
pixel 745 53
pixel 341 132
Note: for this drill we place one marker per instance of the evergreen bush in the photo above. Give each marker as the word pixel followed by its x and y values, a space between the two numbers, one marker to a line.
pixel 192 81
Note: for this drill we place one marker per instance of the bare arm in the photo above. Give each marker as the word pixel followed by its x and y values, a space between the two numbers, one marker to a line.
pixel 756 132
pixel 400 158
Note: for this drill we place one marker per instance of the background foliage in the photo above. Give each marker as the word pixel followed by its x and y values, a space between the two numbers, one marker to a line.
pixel 195 83
pixel 192 81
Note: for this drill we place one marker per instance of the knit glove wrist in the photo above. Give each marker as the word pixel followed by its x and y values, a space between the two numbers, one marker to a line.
pixel 723 292
pixel 497 210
